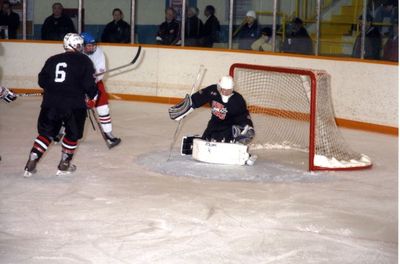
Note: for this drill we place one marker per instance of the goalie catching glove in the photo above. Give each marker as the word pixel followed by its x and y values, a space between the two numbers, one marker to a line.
pixel 243 134
pixel 7 95
pixel 182 109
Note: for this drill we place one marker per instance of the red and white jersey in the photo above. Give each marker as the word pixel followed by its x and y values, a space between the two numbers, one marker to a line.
pixel 99 62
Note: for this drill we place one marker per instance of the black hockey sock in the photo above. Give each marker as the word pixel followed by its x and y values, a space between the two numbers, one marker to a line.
pixel 69 146
pixel 39 147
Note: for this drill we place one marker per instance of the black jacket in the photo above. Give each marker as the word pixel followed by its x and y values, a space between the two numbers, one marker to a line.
pixel 56 28
pixel 169 32
pixel 372 46
pixel 211 31
pixel 298 42
pixel 193 27
pixel 12 21
pixel 117 32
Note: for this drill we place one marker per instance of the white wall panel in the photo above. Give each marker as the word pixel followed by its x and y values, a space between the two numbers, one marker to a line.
pixel 361 91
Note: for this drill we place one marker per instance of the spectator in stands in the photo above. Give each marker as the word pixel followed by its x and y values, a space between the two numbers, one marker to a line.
pixel 298 40
pixel 211 27
pixel 248 31
pixel 193 28
pixel 117 31
pixel 169 32
pixel 385 13
pixel 57 25
pixel 373 41
pixel 10 19
pixel 264 43
pixel 391 48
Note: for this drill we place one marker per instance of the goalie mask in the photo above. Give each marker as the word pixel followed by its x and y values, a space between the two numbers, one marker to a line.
pixel 225 88
pixel 73 42
pixel 89 43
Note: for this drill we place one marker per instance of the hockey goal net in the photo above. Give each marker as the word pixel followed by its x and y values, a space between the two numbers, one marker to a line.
pixel 292 109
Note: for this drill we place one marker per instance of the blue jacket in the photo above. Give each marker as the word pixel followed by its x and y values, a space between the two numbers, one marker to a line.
pixel 248 35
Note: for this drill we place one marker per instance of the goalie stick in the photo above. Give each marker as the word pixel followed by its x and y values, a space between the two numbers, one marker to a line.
pixel 180 122
pixel 123 66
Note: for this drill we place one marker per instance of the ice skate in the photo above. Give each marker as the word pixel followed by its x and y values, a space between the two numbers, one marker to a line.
pixel 251 160
pixel 111 140
pixel 30 167
pixel 65 168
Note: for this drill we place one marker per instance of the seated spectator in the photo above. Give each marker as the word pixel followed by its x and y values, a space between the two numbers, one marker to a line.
pixel 169 32
pixel 373 41
pixel 264 43
pixel 211 27
pixel 298 40
pixel 10 19
pixel 117 31
pixel 391 48
pixel 249 31
pixel 193 28
pixel 385 13
pixel 57 25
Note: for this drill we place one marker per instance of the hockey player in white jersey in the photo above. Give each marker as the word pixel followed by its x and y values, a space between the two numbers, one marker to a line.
pixel 96 54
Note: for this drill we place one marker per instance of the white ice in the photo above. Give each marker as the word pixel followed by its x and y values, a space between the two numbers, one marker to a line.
pixel 131 204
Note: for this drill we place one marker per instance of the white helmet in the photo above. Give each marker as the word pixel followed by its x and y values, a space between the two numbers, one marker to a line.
pixel 226 82
pixel 73 41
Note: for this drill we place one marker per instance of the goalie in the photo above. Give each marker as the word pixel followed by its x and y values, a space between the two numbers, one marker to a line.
pixel 230 122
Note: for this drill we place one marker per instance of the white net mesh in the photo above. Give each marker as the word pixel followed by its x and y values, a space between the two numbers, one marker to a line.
pixel 280 102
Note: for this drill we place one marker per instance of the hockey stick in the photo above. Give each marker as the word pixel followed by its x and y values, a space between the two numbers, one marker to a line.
pixel 123 66
pixel 91 120
pixel 180 122
pixel 91 111
pixel 28 94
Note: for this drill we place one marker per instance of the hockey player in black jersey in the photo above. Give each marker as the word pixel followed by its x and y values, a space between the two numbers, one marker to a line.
pixel 230 119
pixel 68 89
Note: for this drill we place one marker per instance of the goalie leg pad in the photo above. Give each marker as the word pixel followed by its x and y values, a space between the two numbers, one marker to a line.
pixel 179 111
pixel 220 152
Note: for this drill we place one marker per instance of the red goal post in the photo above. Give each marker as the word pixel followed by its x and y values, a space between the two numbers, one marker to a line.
pixel 292 109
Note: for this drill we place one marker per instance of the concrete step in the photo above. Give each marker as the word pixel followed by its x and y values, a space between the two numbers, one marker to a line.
pixel 334 27
pixel 350 10
pixel 342 19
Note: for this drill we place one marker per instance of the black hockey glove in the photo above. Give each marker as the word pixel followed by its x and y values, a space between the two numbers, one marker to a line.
pixel 243 134
pixel 7 95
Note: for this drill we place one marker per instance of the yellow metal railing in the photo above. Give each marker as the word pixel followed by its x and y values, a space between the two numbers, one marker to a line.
pixel 328 38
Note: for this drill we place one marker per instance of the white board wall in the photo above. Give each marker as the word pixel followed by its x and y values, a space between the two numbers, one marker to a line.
pixel 361 91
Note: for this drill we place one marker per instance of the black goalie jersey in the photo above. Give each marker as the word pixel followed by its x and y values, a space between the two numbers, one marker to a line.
pixel 66 79
pixel 223 115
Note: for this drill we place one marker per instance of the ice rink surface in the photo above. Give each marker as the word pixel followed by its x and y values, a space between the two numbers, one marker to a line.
pixel 131 204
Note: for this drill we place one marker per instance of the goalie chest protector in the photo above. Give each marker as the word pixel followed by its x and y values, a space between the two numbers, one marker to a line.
pixel 220 152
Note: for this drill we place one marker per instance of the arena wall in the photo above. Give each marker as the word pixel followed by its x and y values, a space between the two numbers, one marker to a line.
pixel 362 91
